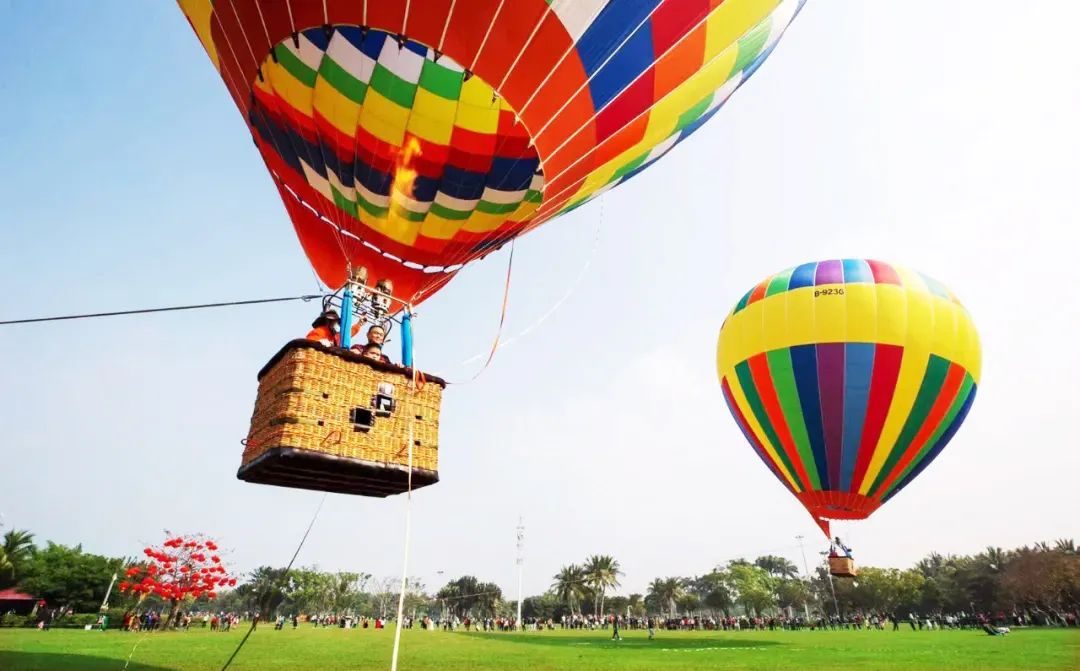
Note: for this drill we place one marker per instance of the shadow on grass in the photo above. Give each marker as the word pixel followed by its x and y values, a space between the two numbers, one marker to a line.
pixel 48 661
pixel 636 642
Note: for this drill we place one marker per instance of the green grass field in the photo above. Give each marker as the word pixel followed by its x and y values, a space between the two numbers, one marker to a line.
pixel 318 649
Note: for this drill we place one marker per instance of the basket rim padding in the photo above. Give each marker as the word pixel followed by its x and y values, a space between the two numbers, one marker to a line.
pixel 289 467
pixel 352 357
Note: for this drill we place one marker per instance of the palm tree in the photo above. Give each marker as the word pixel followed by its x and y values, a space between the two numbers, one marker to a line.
pixel 569 586
pixel 1065 546
pixel 7 570
pixel 666 590
pixel 601 572
pixel 931 566
pixel 17 548
pixel 777 566
pixel 18 545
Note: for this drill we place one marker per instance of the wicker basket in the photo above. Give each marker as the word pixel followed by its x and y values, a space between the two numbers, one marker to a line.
pixel 842 567
pixel 322 422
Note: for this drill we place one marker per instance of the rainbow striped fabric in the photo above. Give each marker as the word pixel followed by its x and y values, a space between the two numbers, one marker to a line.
pixel 848 377
pixel 413 137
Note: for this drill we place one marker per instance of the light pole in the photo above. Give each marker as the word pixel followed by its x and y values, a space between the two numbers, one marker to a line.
pixel 806 567
pixel 520 565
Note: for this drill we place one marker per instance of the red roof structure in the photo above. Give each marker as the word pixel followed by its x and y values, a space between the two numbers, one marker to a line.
pixel 13 595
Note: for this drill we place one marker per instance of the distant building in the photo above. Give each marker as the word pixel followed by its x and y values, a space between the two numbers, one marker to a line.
pixel 17 602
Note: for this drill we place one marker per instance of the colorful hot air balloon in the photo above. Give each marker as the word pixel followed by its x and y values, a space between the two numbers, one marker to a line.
pixel 848 377
pixel 409 137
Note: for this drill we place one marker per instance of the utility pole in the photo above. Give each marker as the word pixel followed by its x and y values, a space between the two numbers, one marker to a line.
pixel 521 566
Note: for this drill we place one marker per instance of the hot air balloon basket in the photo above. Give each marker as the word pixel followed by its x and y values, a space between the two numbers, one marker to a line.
pixel 331 420
pixel 842 567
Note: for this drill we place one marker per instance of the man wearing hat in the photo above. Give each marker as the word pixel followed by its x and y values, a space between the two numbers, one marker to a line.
pixel 326 329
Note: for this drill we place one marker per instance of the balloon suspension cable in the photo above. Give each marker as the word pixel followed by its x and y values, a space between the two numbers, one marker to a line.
pixel 570 291
pixel 407 355
pixel 277 585
pixel 502 318
pixel 174 308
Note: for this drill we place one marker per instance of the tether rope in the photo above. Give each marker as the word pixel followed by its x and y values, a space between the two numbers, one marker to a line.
pixel 408 519
pixel 277 585
pixel 176 308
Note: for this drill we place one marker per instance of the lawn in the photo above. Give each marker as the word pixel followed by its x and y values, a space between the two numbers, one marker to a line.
pixel 309 648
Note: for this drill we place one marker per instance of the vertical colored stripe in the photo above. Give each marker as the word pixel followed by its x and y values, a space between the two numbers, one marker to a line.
pixel 830 364
pixel 743 301
pixel 915 324
pixel 829 272
pixel 883 272
pixel 932 381
pixel 759 369
pixel 858 376
pixel 887 360
pixel 753 399
pixel 738 395
pixel 804 363
pixel 952 425
pixel 954 378
pixel 857 271
pixel 759 292
pixel 740 419
pixel 949 420
pixel 783 377
pixel 803 276
pixel 779 282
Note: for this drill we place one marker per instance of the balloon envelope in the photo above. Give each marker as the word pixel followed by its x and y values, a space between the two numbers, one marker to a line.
pixel 848 377
pixel 411 137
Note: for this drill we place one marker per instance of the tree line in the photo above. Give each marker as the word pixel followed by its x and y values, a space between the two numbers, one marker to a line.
pixel 1043 578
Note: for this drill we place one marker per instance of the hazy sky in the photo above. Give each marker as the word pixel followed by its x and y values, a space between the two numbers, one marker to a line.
pixel 941 136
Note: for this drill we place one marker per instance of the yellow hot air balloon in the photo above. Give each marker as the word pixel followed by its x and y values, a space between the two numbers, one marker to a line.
pixel 848 377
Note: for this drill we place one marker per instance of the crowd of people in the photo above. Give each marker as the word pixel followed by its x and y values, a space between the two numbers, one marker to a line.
pixel 152 620
pixel 1000 622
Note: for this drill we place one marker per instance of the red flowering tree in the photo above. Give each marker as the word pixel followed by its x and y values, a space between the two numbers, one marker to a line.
pixel 180 569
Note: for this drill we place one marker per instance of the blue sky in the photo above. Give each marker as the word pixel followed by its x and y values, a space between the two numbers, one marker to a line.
pixel 939 137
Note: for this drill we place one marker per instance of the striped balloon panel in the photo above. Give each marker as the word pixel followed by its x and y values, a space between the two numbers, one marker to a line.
pixel 502 115
pixel 848 378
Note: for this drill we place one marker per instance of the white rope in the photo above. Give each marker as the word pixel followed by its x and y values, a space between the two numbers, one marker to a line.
pixel 524 48
pixel 405 19
pixel 484 41
pixel 558 63
pixel 408 535
pixel 405 562
pixel 292 21
pixel 675 45
pixel 243 33
pixel 559 303
pixel 596 72
pixel 446 26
